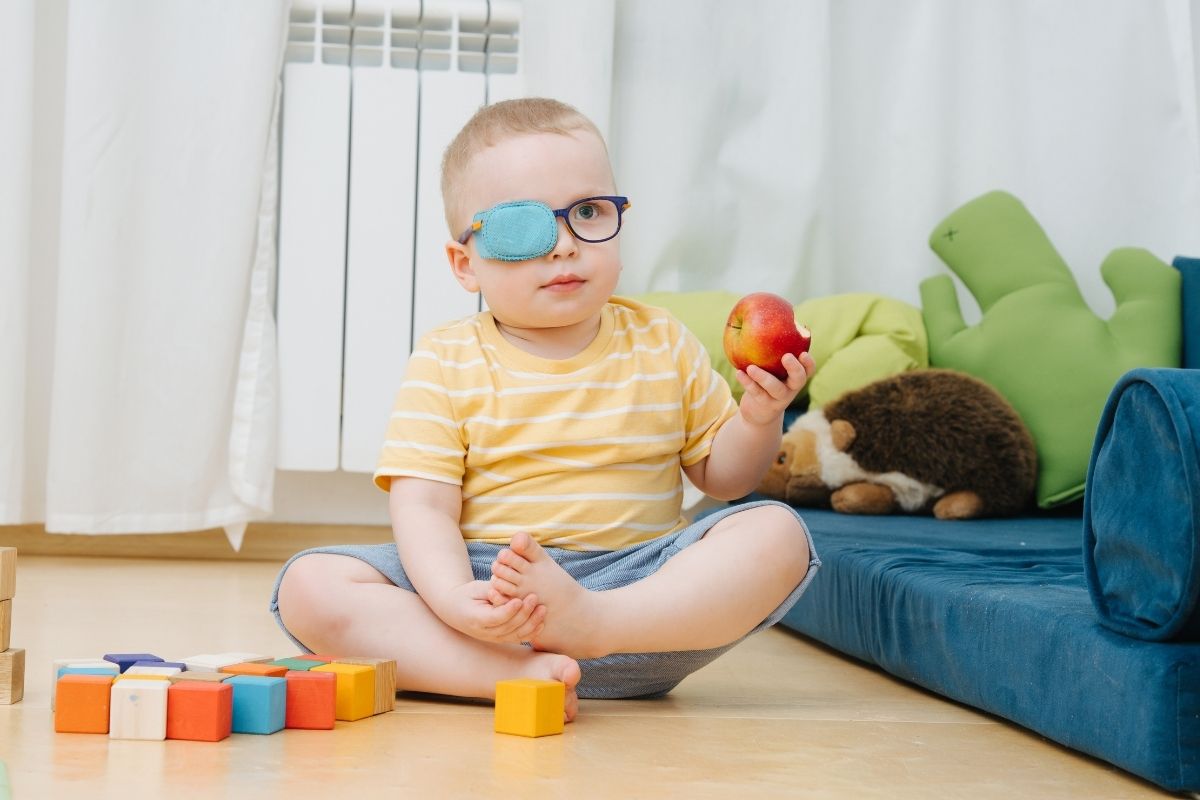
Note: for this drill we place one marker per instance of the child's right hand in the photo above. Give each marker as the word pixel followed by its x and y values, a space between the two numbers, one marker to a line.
pixel 468 609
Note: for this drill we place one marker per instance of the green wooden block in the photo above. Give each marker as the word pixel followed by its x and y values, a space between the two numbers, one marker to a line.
pixel 302 664
pixel 5 791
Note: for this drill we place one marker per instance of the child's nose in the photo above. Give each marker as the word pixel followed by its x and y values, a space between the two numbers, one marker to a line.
pixel 566 246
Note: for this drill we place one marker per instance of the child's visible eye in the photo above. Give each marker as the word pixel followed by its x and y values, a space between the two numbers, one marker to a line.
pixel 587 211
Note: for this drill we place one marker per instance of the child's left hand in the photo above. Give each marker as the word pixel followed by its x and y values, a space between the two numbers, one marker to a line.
pixel 766 396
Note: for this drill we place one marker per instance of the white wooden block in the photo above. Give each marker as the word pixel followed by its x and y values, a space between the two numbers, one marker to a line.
pixel 448 99
pixel 145 670
pixel 379 256
pixel 246 658
pixel 212 662
pixel 138 710
pixel 94 663
pixel 311 285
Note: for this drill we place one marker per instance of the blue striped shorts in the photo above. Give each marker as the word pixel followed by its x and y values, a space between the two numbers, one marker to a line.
pixel 613 676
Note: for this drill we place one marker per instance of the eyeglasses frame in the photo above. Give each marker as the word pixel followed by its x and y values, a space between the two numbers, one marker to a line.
pixel 622 204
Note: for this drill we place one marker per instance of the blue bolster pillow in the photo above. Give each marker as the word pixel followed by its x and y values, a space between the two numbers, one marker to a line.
pixel 1141 508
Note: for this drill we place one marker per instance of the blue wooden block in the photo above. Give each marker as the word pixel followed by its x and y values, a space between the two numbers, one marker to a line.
pixel 83 671
pixel 259 703
pixel 127 660
pixel 179 665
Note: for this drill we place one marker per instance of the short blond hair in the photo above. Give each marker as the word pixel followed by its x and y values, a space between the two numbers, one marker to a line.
pixel 493 124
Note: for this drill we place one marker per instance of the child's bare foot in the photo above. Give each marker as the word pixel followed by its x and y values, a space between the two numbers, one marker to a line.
pixel 571 614
pixel 555 667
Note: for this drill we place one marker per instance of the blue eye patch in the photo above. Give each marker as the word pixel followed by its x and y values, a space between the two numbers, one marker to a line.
pixel 516 231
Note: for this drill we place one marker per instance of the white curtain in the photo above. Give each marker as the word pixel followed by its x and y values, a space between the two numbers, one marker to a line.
pixel 809 148
pixel 802 146
pixel 137 215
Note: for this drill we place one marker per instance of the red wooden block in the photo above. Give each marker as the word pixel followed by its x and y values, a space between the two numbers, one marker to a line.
pixel 311 699
pixel 255 668
pixel 82 703
pixel 201 711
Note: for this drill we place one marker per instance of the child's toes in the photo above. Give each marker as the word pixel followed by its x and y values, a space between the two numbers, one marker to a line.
pixel 505 589
pixel 510 559
pixel 505 573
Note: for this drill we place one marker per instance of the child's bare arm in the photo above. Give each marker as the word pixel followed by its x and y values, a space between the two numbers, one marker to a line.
pixel 425 517
pixel 744 446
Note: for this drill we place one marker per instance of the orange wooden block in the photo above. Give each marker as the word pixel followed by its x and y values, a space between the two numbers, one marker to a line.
pixel 82 703
pixel 311 700
pixel 200 711
pixel 256 668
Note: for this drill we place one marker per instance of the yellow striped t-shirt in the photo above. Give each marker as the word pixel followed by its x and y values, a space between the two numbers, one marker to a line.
pixel 583 453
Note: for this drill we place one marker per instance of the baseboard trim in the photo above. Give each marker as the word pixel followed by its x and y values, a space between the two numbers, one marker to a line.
pixel 264 541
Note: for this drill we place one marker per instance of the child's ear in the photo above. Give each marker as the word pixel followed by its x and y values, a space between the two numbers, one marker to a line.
pixel 460 265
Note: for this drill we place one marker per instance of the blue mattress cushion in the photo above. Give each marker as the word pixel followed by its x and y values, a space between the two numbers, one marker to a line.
pixel 1141 515
pixel 996 614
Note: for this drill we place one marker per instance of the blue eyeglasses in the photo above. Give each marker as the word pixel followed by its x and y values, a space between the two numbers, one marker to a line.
pixel 525 229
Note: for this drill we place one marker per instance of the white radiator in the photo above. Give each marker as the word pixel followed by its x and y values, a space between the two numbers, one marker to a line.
pixel 372 94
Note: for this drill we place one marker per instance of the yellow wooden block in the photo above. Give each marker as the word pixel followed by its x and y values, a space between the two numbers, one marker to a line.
pixel 385 680
pixel 8 572
pixel 355 690
pixel 530 707
pixel 127 676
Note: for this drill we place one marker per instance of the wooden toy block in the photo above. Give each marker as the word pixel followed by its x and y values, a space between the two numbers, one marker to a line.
pixel 5 623
pixel 12 676
pixel 200 711
pixel 89 668
pixel 253 668
pixel 355 689
pixel 8 572
pixel 83 703
pixel 298 664
pixel 146 670
pixel 127 660
pixel 138 709
pixel 138 677
pixel 385 680
pixel 212 662
pixel 191 675
pixel 177 666
pixel 530 707
pixel 258 703
pixel 311 699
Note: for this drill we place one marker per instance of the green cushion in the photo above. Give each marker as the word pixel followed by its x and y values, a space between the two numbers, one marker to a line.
pixel 857 338
pixel 1038 342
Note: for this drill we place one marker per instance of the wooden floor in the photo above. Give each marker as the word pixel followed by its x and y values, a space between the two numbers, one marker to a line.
pixel 776 717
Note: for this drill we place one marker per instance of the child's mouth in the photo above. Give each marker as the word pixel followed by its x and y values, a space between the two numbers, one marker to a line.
pixel 564 283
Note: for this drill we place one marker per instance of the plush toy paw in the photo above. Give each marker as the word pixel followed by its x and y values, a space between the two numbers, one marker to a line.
pixel 958 505
pixel 1039 343
pixel 864 498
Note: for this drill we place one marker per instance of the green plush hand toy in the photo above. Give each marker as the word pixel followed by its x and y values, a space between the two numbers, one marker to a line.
pixel 1039 343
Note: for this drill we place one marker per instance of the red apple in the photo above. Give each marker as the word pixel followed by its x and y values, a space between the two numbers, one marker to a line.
pixel 761 329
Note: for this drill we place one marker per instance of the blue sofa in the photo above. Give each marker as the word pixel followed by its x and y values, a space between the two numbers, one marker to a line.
pixel 1007 615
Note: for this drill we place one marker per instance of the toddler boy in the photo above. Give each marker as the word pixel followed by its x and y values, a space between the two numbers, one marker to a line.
pixel 533 457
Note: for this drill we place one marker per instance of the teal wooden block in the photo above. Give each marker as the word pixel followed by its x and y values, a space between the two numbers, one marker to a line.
pixel 85 671
pixel 299 664
pixel 259 703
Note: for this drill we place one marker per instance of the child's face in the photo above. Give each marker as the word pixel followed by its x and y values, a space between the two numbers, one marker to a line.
pixel 555 169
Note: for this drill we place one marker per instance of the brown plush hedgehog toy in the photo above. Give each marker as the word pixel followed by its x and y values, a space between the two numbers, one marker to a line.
pixel 929 439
